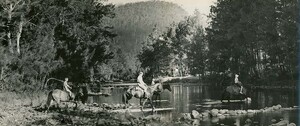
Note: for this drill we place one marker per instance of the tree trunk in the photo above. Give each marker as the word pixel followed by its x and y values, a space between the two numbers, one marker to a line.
pixel 19 34
pixel 92 74
pixel 1 74
pixel 9 12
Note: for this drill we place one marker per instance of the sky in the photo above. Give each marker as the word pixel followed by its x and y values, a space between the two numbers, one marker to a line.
pixel 189 5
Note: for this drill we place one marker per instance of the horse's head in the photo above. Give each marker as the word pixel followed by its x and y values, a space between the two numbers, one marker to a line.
pixel 157 87
pixel 167 86
pixel 78 92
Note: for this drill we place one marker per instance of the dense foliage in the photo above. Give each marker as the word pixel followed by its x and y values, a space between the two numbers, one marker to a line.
pixel 57 38
pixel 90 40
pixel 256 39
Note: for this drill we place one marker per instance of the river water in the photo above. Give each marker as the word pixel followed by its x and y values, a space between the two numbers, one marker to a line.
pixel 187 97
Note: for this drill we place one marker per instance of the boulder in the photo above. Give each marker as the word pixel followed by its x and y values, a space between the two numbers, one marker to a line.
pixel 248 121
pixel 185 116
pixel 223 111
pixel 250 111
pixel 195 114
pixel 214 112
pixel 196 122
pixel 281 123
pixel 291 124
pixel 215 120
pixel 232 113
pixel 205 114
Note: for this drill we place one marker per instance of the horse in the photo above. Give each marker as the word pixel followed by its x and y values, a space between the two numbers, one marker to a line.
pixel 137 92
pixel 233 91
pixel 156 94
pixel 58 96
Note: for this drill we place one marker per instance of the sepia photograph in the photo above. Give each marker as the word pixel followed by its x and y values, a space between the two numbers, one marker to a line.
pixel 149 62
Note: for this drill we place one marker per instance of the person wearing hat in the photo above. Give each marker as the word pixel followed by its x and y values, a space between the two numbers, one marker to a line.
pixel 67 87
pixel 141 83
pixel 237 82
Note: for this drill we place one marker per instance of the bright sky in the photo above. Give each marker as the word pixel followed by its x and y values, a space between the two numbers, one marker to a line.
pixel 189 5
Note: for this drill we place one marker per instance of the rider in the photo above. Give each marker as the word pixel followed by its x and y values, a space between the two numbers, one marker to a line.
pixel 141 83
pixel 67 87
pixel 238 83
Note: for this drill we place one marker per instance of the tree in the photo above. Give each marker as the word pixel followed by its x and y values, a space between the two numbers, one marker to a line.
pixel 82 40
pixel 247 38
pixel 197 54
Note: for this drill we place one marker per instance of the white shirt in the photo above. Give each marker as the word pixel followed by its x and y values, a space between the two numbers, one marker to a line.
pixel 140 79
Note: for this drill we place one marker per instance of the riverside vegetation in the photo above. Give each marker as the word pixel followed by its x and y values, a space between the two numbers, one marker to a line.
pixel 58 38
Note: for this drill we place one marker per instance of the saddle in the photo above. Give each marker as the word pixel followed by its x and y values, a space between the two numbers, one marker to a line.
pixel 138 88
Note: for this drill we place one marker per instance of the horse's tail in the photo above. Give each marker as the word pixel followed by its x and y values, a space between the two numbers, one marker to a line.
pixel 224 94
pixel 49 99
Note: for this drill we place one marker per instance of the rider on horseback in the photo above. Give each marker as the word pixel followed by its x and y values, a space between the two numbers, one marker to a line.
pixel 67 87
pixel 238 83
pixel 141 83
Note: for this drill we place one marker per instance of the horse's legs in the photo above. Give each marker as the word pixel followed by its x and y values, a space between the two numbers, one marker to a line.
pixel 49 104
pixel 125 100
pixel 142 107
pixel 151 102
pixel 141 102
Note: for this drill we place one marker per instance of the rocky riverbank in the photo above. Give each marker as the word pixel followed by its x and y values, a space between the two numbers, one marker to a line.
pixel 215 115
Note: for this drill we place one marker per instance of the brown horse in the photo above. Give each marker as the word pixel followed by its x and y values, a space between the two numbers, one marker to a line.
pixel 137 92
pixel 57 96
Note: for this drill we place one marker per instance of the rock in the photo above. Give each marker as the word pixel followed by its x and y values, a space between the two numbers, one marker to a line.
pixel 248 121
pixel 196 122
pixel 215 120
pixel 205 114
pixel 195 114
pixel 281 123
pixel 95 104
pixel 232 113
pixel 291 124
pixel 250 111
pixel 214 112
pixel 185 116
pixel 243 111
pixel 223 111
pixel 273 121
pixel 238 111
pixel 52 122
pixel 279 106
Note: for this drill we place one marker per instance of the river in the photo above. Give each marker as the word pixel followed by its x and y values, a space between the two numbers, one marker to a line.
pixel 187 97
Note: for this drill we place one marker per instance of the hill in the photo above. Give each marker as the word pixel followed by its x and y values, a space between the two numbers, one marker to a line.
pixel 135 21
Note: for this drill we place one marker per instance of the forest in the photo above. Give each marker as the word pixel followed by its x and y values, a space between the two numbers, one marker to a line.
pixel 89 41
pixel 255 39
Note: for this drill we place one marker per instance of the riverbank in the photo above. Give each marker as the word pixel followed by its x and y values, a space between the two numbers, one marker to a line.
pixel 27 108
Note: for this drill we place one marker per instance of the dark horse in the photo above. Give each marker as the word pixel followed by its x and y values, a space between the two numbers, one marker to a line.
pixel 139 93
pixel 57 96
pixel 233 92
pixel 156 94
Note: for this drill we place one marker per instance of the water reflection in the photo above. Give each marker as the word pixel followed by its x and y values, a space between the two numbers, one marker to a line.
pixel 187 97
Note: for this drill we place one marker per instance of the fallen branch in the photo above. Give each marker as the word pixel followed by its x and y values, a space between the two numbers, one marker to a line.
pixel 52 79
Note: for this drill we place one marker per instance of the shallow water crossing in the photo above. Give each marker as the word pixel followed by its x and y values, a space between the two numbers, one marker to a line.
pixel 185 98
